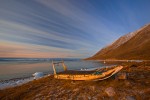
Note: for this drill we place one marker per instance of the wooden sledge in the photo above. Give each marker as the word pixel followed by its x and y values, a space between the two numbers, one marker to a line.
pixel 98 74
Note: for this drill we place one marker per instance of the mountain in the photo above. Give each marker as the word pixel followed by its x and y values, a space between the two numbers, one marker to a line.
pixel 135 45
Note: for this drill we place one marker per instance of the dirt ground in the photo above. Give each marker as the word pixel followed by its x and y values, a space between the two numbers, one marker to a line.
pixel 135 87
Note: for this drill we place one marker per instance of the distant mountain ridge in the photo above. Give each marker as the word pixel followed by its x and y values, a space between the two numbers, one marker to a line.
pixel 134 45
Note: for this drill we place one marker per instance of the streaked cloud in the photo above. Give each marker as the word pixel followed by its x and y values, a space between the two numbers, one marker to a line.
pixel 13 49
pixel 65 28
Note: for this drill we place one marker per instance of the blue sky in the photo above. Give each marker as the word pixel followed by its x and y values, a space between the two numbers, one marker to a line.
pixel 66 28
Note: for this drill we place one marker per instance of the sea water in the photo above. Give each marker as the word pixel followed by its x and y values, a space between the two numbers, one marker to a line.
pixel 11 68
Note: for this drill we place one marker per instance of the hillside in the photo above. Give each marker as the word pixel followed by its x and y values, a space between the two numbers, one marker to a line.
pixel 135 45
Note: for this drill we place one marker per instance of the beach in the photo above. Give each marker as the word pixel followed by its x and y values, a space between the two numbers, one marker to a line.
pixel 135 87
pixel 22 69
pixel 12 68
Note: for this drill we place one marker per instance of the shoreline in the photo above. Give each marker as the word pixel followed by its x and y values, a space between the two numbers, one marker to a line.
pixel 14 82
pixel 136 86
pixel 18 78
pixel 4 84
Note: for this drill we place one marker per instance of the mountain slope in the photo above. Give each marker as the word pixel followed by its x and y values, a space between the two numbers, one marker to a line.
pixel 135 45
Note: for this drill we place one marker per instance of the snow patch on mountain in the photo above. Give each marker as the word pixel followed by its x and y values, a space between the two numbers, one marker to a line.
pixel 124 39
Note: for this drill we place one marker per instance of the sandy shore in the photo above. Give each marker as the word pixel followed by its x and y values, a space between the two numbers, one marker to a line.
pixel 135 87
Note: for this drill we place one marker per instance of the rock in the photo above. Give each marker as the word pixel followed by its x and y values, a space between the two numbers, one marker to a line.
pixel 134 65
pixel 129 98
pixel 110 91
pixel 127 83
pixel 92 88
pixel 75 90
pixel 142 76
pixel 121 76
pixel 73 82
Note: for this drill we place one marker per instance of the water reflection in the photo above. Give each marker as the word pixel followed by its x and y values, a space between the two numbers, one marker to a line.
pixel 24 68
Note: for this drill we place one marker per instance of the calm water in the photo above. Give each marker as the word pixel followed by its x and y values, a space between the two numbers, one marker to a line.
pixel 20 67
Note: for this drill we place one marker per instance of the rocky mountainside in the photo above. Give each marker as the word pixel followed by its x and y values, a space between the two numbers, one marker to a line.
pixel 135 45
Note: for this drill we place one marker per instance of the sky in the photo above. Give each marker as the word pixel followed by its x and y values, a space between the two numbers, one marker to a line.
pixel 66 28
